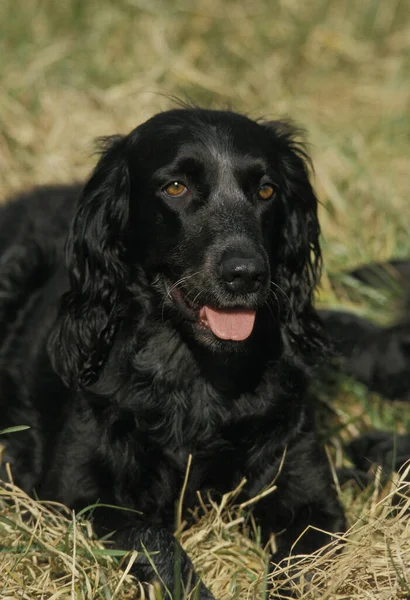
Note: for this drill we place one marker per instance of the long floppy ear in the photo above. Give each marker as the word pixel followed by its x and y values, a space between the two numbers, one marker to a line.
pixel 98 275
pixel 297 246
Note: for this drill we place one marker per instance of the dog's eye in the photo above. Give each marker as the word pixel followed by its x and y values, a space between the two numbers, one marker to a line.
pixel 266 191
pixel 176 189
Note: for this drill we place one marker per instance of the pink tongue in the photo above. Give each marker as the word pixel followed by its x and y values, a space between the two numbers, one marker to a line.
pixel 232 324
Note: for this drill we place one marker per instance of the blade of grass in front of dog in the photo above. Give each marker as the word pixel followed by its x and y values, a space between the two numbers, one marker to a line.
pixel 18 549
pixel 399 574
pixel 27 531
pixel 154 568
pixel 177 571
pixel 264 595
pixel 25 549
pixel 14 429
pixel 92 507
pixel 110 552
pixel 11 523
pixel 128 568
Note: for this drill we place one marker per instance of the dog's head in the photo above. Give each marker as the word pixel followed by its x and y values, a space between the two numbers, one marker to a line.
pixel 218 213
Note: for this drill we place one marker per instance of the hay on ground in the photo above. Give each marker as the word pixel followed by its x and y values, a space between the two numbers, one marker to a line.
pixel 47 552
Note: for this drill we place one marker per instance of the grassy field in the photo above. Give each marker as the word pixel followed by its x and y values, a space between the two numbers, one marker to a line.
pixel 75 70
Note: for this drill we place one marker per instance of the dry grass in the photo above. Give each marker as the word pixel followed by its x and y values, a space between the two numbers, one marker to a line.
pixel 47 552
pixel 75 70
pixel 71 72
pixel 372 560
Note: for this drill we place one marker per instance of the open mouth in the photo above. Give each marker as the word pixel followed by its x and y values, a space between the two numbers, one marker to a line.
pixel 235 324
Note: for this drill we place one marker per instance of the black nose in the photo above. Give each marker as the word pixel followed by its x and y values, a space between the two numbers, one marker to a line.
pixel 242 274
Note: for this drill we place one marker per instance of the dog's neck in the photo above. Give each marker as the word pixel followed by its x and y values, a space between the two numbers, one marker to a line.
pixel 229 373
pixel 165 381
pixel 158 352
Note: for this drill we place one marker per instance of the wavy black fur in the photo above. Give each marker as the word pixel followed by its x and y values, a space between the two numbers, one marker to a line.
pixel 109 359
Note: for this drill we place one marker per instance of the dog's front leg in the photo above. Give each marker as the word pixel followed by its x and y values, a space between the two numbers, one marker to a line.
pixel 161 558
pixel 303 510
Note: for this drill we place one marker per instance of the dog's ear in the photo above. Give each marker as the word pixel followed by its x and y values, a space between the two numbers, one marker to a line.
pixel 296 243
pixel 98 275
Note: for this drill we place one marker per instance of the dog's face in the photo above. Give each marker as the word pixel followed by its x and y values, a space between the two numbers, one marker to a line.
pixel 219 213
pixel 202 212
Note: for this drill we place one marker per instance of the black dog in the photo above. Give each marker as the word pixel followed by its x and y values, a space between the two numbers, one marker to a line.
pixel 379 357
pixel 182 323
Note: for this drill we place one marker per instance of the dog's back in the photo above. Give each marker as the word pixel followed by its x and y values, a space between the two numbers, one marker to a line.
pixel 33 229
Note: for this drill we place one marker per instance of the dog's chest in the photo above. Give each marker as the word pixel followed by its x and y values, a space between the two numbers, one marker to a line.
pixel 191 417
pixel 180 413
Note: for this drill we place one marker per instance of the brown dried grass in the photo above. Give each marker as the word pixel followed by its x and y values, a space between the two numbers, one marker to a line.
pixel 46 552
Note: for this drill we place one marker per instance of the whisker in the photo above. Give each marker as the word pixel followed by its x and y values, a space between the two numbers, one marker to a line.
pixel 174 286
pixel 197 296
pixel 272 293
pixel 269 309
pixel 281 290
pixel 180 281
pixel 285 295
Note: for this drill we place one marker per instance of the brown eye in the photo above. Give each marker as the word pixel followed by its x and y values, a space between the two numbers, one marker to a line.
pixel 175 189
pixel 266 191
